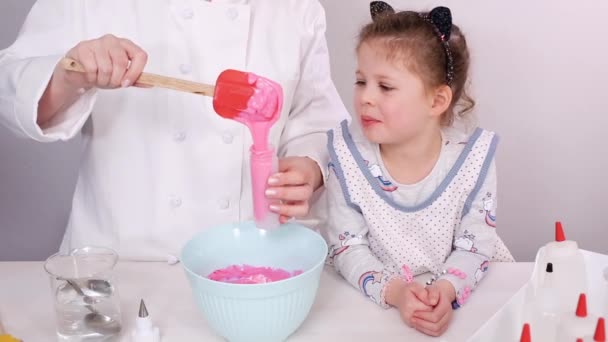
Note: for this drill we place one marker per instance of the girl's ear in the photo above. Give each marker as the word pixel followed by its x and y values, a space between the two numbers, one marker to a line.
pixel 378 9
pixel 441 101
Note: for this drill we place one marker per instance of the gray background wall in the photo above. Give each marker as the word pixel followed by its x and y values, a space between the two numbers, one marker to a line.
pixel 539 77
pixel 36 180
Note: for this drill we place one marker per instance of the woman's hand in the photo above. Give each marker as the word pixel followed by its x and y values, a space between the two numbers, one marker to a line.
pixel 294 185
pixel 110 62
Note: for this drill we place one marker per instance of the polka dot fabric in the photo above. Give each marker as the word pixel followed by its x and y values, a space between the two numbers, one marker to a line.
pixel 421 238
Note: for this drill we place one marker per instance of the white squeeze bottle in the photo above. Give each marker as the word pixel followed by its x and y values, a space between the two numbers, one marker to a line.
pixel 571 278
pixel 542 310
pixel 578 325
pixel 547 306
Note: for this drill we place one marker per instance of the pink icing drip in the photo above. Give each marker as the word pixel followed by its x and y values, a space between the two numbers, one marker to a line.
pixel 263 109
pixel 246 274
pixel 262 106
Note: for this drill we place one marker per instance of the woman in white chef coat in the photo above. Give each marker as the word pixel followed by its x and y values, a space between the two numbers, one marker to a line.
pixel 160 165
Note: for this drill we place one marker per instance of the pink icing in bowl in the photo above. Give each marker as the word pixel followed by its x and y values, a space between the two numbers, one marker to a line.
pixel 246 274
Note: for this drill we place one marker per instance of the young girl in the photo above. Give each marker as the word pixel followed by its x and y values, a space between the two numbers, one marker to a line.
pixel 409 194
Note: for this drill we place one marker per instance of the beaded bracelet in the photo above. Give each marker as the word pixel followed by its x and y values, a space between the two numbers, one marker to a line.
pixel 435 276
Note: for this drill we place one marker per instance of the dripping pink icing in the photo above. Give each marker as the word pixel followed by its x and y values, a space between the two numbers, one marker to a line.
pixel 263 109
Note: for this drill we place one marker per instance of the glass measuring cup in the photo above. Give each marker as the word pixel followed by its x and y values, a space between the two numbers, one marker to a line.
pixel 87 305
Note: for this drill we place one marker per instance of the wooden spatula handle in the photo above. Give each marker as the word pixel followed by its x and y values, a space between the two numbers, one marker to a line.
pixel 153 80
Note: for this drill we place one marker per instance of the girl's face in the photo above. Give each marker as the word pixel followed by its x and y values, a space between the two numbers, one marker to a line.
pixel 391 102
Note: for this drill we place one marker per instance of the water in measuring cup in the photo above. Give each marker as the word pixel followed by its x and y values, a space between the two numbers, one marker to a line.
pixel 71 310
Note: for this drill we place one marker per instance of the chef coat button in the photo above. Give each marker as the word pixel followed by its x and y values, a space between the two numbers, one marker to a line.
pixel 232 13
pixel 179 136
pixel 228 137
pixel 175 201
pixel 187 13
pixel 185 68
pixel 224 204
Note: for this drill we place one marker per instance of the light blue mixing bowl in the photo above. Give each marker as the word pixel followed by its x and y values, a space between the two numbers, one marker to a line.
pixel 255 312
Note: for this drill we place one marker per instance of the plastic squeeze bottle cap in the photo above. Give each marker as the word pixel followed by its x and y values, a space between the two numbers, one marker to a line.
pixel 581 307
pixel 560 248
pixel 600 331
pixel 559 232
pixel 525 334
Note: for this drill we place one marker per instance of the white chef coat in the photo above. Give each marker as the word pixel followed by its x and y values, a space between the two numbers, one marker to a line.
pixel 158 165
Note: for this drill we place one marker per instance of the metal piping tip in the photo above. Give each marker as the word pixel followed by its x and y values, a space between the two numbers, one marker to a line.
pixel 143 311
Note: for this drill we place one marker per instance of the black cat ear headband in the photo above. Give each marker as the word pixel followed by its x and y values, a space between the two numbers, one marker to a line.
pixel 441 20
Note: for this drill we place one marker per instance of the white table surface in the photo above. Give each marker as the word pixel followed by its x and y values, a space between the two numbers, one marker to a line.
pixel 340 311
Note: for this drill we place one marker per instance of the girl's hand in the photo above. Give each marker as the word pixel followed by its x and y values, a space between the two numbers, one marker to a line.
pixel 294 185
pixel 440 296
pixel 408 298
